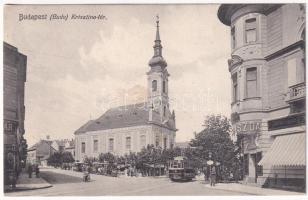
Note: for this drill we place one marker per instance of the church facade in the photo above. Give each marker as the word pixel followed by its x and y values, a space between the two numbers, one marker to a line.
pixel 129 128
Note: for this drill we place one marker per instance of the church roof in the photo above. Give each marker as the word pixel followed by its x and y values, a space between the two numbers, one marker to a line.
pixel 120 117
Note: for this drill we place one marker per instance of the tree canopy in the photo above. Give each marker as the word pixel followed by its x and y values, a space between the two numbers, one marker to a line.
pixel 214 142
pixel 58 158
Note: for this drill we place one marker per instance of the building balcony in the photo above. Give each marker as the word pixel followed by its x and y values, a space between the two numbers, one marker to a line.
pixel 296 92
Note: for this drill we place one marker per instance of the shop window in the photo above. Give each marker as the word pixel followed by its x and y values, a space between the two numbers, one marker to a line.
pixel 83 147
pixel 246 164
pixel 251 82
pixel 251 30
pixel 235 88
pixel 259 167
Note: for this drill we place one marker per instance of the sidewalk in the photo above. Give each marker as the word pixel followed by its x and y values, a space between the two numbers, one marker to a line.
pixel 251 190
pixel 26 183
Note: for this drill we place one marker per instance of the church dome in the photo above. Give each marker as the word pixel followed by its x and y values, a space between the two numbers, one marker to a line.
pixel 157 60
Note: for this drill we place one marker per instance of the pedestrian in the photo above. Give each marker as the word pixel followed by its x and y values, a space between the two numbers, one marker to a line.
pixel 213 176
pixel 30 170
pixel 37 171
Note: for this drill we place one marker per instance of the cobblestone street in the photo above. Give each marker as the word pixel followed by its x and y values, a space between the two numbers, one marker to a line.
pixel 69 183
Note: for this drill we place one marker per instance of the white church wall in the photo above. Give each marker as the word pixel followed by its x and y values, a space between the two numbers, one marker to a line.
pixel 119 135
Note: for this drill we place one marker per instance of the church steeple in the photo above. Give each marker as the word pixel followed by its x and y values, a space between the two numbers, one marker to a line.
pixel 157 46
pixel 157 59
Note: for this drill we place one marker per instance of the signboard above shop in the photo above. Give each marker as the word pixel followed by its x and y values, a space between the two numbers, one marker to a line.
pixel 247 127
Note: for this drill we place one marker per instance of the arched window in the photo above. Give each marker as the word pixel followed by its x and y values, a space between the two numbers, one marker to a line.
pixel 154 85
pixel 164 86
pixel 164 111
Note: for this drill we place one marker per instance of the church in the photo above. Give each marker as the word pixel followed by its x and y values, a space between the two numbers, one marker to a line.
pixel 129 128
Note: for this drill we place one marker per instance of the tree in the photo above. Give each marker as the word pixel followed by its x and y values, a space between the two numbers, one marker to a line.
pixel 55 159
pixel 67 157
pixel 169 154
pixel 107 157
pixel 215 140
pixel 58 158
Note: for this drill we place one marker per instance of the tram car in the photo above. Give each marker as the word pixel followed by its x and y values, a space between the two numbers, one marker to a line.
pixel 181 170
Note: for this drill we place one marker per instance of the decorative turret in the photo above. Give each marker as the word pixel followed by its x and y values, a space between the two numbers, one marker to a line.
pixel 157 59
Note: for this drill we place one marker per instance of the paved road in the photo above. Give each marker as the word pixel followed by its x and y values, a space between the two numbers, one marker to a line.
pixel 69 183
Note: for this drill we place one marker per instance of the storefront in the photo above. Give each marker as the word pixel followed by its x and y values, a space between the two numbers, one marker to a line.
pixel 249 132
pixel 284 163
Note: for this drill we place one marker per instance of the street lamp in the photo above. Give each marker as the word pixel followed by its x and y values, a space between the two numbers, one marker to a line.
pixel 218 170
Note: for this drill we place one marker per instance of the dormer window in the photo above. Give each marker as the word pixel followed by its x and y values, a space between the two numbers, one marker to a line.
pixel 154 85
pixel 251 30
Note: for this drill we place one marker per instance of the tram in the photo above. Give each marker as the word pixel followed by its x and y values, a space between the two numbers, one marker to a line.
pixel 180 169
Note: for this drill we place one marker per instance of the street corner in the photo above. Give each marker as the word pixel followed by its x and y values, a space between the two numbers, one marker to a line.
pixel 26 183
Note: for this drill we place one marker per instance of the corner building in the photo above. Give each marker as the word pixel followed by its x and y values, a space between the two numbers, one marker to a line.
pixel 268 85
pixel 15 146
pixel 129 128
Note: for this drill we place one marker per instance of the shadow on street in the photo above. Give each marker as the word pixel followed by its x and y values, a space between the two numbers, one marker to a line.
pixel 56 178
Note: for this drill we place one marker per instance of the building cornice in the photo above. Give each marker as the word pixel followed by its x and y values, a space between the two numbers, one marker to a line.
pixel 263 110
pixel 161 125
pixel 295 45
pixel 226 11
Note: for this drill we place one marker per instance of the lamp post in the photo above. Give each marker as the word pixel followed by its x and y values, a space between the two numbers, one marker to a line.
pixel 218 169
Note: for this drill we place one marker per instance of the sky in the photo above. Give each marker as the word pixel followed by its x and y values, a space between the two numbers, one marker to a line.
pixel 78 69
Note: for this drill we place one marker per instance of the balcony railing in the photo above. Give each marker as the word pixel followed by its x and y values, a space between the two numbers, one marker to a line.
pixel 297 92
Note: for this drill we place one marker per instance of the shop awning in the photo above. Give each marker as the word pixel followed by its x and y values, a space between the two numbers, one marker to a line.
pixel 286 150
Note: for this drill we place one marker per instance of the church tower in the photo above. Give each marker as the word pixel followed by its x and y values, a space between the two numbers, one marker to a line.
pixel 158 83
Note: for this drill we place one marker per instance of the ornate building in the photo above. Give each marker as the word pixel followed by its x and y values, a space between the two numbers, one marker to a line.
pixel 14 78
pixel 268 69
pixel 129 128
